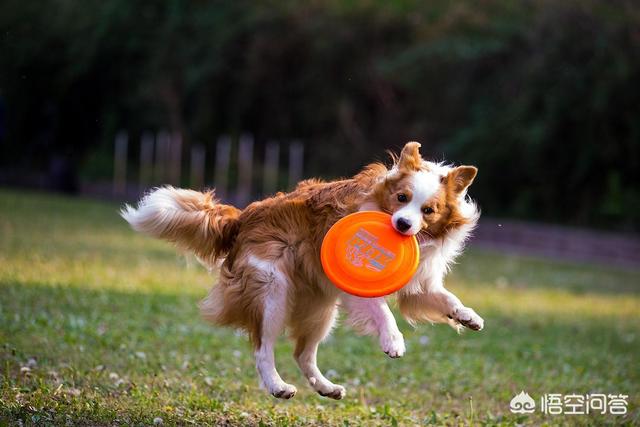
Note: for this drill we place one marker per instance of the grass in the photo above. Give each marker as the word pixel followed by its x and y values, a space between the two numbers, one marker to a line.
pixel 99 326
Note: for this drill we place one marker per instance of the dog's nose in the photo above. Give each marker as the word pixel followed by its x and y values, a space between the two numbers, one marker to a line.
pixel 403 225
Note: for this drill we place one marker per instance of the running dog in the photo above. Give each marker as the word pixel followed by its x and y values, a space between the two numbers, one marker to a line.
pixel 268 256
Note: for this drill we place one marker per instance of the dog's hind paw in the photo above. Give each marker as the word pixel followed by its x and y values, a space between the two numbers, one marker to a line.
pixel 336 392
pixel 469 318
pixel 284 391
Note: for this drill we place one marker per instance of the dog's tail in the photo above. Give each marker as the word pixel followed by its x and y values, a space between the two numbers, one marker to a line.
pixel 192 220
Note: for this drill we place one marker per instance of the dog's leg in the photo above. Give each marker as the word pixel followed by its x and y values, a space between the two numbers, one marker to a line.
pixel 372 316
pixel 450 305
pixel 272 325
pixel 309 331
pixel 265 360
pixel 440 305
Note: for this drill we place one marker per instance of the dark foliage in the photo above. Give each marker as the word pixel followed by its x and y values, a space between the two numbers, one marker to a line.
pixel 542 95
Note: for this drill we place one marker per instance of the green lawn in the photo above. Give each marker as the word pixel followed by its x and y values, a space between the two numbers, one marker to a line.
pixel 99 325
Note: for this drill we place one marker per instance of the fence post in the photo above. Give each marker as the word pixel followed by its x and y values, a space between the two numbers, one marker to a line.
pixel 271 163
pixel 120 163
pixel 162 147
pixel 223 155
pixel 146 161
pixel 245 169
pixel 296 162
pixel 197 166
pixel 175 158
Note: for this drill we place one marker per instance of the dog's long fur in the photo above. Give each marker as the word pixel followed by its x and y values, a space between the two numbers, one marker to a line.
pixel 268 254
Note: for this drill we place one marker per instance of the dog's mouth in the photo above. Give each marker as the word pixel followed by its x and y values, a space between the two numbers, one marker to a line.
pixel 406 233
pixel 423 235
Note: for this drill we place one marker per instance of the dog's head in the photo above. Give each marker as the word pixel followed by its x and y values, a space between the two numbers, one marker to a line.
pixel 424 197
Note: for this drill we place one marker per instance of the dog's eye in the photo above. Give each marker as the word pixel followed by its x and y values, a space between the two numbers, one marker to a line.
pixel 427 211
pixel 402 198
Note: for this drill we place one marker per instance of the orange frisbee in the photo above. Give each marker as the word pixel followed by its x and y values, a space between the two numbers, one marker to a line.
pixel 363 254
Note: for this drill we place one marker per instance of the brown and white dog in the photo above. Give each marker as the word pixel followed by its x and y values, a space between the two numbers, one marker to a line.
pixel 269 257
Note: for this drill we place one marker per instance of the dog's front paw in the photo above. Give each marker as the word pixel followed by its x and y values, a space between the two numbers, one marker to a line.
pixel 283 391
pixel 393 344
pixel 469 318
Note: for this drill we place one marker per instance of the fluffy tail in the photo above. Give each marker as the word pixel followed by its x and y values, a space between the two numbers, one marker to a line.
pixel 192 220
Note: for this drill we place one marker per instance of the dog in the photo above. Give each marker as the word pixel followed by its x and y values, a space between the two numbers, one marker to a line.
pixel 268 257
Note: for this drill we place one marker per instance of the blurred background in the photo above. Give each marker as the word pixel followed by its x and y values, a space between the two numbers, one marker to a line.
pixel 110 98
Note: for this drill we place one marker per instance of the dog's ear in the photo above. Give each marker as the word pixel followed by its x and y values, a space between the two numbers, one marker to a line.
pixel 461 177
pixel 410 159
